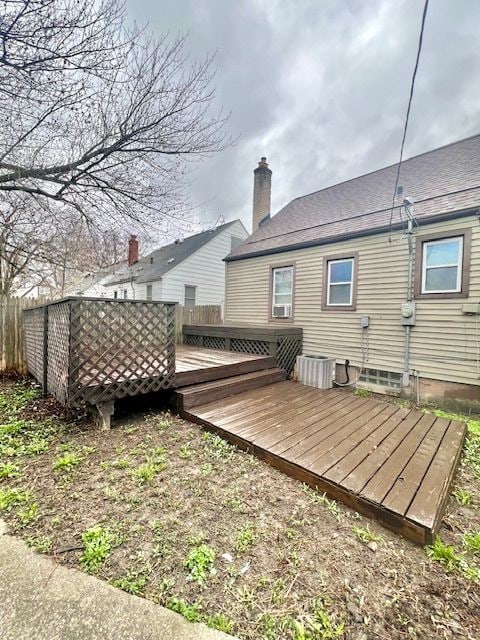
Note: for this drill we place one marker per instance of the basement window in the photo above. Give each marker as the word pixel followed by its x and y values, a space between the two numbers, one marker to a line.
pixel 381 378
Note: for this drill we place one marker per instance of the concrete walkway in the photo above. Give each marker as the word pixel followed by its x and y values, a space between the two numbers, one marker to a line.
pixel 41 600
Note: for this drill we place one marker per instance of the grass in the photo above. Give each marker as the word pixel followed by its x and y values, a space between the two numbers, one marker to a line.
pixel 452 560
pixel 199 562
pixel 463 497
pixel 364 534
pixel 10 498
pixel 471 541
pixel 98 544
pixel 321 498
pixel 66 462
pixel 9 470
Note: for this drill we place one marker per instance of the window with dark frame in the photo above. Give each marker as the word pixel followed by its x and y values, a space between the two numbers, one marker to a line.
pixel 149 292
pixel 125 294
pixel 190 294
pixel 282 292
pixel 115 294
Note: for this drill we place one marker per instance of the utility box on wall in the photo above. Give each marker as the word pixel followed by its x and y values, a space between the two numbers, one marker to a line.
pixel 316 371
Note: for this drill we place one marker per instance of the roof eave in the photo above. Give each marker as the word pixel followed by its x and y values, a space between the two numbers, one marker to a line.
pixel 358 234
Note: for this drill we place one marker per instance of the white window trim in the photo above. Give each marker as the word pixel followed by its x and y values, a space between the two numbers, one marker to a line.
pixel 349 282
pixel 274 271
pixel 458 265
pixel 190 286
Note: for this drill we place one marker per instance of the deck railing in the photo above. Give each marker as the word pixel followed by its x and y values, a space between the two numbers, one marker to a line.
pixel 92 350
pixel 282 343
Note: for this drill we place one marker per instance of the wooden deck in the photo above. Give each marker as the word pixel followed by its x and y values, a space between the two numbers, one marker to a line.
pixel 388 462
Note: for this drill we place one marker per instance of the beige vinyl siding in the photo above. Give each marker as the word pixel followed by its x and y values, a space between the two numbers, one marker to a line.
pixel 444 343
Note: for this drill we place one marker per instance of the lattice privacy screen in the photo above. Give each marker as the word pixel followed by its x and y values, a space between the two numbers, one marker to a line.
pixel 98 349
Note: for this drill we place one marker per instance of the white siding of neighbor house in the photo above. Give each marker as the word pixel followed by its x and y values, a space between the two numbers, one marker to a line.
pixel 98 290
pixel 204 270
pixel 445 342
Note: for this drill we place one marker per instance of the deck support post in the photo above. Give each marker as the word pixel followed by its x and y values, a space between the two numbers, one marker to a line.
pixel 102 414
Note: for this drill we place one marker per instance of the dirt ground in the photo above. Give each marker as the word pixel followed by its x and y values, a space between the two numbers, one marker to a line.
pixel 164 510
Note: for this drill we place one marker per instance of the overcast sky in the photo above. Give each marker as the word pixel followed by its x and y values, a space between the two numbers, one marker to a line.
pixel 320 87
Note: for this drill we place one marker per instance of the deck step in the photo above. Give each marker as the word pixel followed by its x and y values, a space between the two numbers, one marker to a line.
pixel 198 372
pixel 199 394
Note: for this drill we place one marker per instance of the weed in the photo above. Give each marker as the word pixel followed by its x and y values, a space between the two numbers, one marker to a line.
pixel 365 535
pixel 268 626
pixel 316 626
pixel 133 582
pixel 121 463
pixel 471 541
pixel 246 597
pixel 244 538
pixel 363 392
pixel 146 472
pixel 278 592
pixel 185 452
pixel 206 468
pixel 9 470
pixel 191 612
pixel 42 544
pixel 98 543
pixel 463 497
pixel 220 622
pixel 163 424
pixel 195 539
pixel 164 540
pixel 321 498
pixel 10 498
pixel 199 562
pixel 36 446
pixel 28 515
pixel 56 521
pixel 290 534
pixel 443 553
pixel 66 462
pixel 218 448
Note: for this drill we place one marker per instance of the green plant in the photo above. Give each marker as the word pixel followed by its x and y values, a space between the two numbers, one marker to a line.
pixel 443 553
pixel 463 497
pixel 42 544
pixel 12 497
pixel 321 498
pixel 191 612
pixel 471 541
pixel 98 543
pixel 199 562
pixel 363 392
pixel 365 535
pixel 133 582
pixel 316 626
pixel 66 462
pixel 244 538
pixel 145 473
pixel 9 470
pixel 220 622
pixel 121 463
pixel 29 514
pixel 185 452
pixel 206 468
pixel 217 447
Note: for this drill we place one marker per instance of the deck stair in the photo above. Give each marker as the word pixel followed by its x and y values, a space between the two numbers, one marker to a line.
pixel 224 387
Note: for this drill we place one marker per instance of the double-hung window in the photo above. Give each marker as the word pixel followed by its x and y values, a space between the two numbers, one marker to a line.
pixel 190 295
pixel 442 265
pixel 282 292
pixel 339 282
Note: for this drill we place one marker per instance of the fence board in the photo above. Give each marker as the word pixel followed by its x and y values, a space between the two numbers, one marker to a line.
pixel 12 348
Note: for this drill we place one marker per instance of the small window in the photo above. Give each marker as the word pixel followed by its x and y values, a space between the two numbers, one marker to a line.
pixel 149 292
pixel 190 296
pixel 125 295
pixel 340 282
pixel 442 265
pixel 115 294
pixel 234 242
pixel 282 292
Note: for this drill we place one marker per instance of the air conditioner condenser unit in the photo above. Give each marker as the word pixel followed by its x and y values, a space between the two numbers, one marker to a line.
pixel 316 371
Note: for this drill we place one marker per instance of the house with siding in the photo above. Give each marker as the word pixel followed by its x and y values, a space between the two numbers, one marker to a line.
pixel 391 292
pixel 189 271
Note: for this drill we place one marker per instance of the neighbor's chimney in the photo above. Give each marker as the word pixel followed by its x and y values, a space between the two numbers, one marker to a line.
pixel 132 250
pixel 262 187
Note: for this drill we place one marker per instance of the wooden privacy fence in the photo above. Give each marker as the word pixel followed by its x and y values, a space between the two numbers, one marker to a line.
pixel 12 347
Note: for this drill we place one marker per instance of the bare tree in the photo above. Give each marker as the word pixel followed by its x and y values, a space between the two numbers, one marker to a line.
pixel 97 117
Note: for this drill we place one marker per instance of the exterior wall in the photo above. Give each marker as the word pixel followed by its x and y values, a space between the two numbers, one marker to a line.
pixel 444 342
pixel 204 270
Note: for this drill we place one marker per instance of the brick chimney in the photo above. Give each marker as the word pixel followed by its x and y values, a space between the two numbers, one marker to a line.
pixel 262 187
pixel 132 250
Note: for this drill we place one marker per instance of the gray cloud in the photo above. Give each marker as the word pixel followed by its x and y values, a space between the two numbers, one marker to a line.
pixel 321 87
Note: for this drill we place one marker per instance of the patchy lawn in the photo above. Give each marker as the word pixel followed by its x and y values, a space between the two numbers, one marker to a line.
pixel 163 510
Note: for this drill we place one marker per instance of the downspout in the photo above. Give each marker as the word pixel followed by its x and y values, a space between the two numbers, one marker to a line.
pixel 408 316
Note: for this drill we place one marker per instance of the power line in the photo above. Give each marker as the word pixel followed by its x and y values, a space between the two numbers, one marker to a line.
pixel 412 85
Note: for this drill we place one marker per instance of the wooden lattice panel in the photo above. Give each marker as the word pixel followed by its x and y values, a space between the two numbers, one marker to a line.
pixel 244 345
pixel 193 341
pixel 288 348
pixel 58 350
pixel 33 326
pixel 214 342
pixel 120 348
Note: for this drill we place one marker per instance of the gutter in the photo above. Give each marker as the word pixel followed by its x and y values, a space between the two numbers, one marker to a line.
pixel 454 215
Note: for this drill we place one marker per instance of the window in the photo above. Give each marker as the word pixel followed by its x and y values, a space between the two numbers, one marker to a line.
pixel 149 292
pixel 125 295
pixel 115 294
pixel 282 292
pixel 381 378
pixel 190 296
pixel 339 282
pixel 234 242
pixel 442 265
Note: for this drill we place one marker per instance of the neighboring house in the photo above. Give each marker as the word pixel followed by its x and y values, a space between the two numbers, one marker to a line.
pixel 189 271
pixel 336 263
pixel 92 285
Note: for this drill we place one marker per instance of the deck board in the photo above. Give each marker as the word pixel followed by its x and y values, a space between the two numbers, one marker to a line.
pixel 388 462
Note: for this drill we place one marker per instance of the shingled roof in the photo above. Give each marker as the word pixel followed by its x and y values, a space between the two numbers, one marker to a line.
pixel 441 182
pixel 157 263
